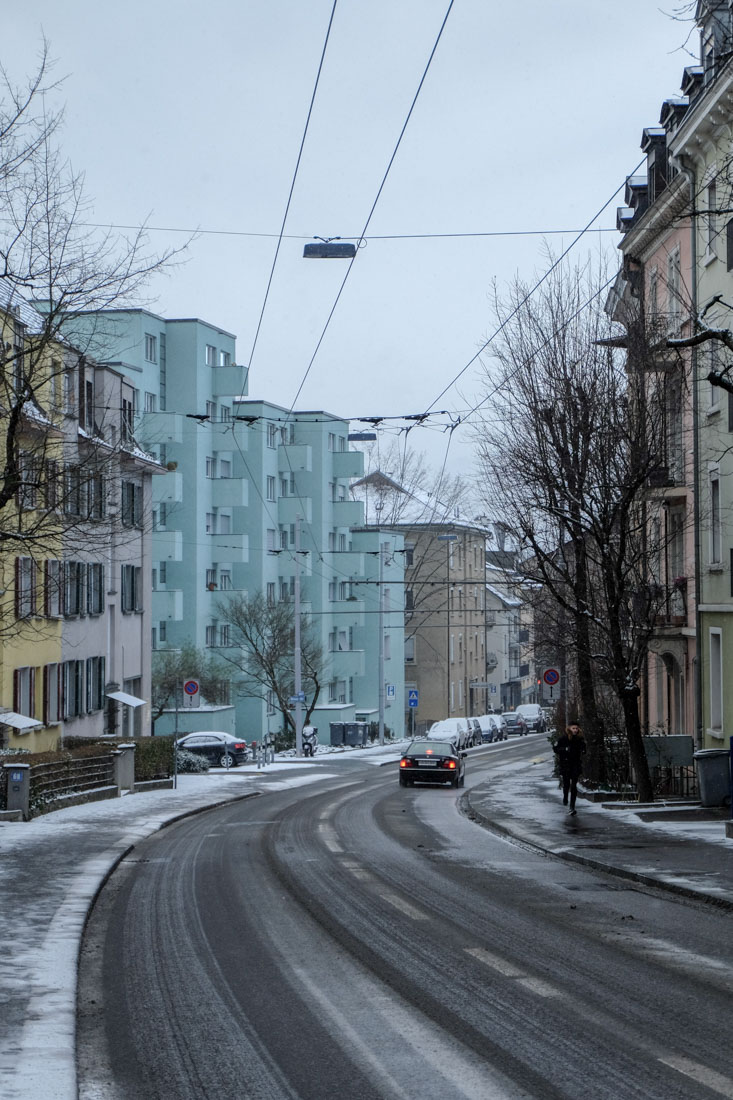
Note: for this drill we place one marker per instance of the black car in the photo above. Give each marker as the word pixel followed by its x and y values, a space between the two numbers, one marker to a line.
pixel 514 723
pixel 429 761
pixel 216 747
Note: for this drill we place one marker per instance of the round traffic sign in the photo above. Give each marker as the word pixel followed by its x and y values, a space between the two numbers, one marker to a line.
pixel 191 687
pixel 551 676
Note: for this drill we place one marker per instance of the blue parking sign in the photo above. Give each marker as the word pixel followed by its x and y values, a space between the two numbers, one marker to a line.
pixel 412 697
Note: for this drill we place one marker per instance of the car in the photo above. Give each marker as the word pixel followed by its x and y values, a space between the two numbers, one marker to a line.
pixel 475 732
pixel 514 723
pixel 492 729
pixel 454 728
pixel 216 746
pixel 429 760
pixel 533 716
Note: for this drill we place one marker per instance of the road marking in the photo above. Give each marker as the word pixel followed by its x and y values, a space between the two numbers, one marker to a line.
pixel 328 835
pixel 403 906
pixel 508 970
pixel 704 1076
pixel 357 871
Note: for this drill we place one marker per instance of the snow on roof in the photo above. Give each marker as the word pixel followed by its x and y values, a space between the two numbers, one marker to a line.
pixel 14 303
pixel 510 601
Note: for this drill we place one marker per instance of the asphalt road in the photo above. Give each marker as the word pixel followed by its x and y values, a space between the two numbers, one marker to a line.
pixel 359 941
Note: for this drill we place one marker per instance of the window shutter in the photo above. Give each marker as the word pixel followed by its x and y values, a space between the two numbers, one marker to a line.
pixel 33 581
pixel 17 588
pixel 31 693
pixel 89 685
pixel 16 689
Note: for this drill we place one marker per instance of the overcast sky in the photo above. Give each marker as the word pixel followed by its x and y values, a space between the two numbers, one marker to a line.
pixel 191 115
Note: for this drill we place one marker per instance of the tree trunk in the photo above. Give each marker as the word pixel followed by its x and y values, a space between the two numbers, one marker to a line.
pixel 639 762
pixel 595 762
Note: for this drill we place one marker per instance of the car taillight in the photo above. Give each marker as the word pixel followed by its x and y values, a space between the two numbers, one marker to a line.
pixel 404 763
pixel 240 744
pixel 449 763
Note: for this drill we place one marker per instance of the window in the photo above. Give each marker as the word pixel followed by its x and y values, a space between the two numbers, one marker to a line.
pixel 211 410
pixel 151 348
pixel 331 441
pixel 73 685
pixel 74 585
pixel 409 600
pixel 53 588
pixel 283 539
pixel 271 487
pixel 95 684
pixel 715 520
pixel 225 523
pixel 271 547
pixel 452 648
pixel 24 692
pixel 716 679
pixel 25 587
pixel 52 694
pixel 270 702
pixel 131 588
pixel 271 435
pixel 409 650
pixel 210 355
pixel 712 199
pixel 225 359
pixel 95 588
pixel 210 466
pixel 162 631
pixel 225 467
pixel 211 635
pixel 73 491
pixel 226 413
pixel 225 635
pixel 283 486
pixel 211 579
pixel 151 403
pixel 225 580
pixel 96 497
pixel 30 477
pixel 211 523
pixel 409 555
pixel 127 421
pixel 270 593
pixel 162 572
pixel 674 291
pixel 132 504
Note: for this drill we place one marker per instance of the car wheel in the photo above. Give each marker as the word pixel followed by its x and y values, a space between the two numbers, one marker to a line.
pixel 462 780
pixel 403 780
pixel 227 760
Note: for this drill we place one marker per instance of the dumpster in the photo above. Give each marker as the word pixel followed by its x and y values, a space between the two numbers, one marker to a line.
pixel 351 734
pixel 363 731
pixel 713 776
pixel 337 733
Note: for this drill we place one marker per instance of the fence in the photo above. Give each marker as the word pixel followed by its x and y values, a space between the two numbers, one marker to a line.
pixel 53 779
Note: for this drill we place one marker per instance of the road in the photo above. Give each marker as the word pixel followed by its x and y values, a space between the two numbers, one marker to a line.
pixel 359 941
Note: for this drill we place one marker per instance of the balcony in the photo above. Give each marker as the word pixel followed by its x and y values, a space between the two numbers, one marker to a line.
pixel 168 489
pixel 160 427
pixel 229 492
pixel 168 604
pixel 289 508
pixel 228 381
pixel 295 457
pixel 167 545
pixel 346 662
pixel 347 513
pixel 229 547
pixel 348 463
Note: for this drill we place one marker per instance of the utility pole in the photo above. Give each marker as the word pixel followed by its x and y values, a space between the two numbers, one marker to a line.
pixel 381 642
pixel 298 673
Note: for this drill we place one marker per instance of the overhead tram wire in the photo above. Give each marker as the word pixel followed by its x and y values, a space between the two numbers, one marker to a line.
pixel 376 200
pixel 290 196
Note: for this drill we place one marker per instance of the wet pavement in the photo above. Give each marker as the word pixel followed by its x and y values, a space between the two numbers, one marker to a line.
pixel 52 868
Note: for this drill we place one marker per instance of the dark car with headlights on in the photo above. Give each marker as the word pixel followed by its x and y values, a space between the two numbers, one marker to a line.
pixel 216 747
pixel 515 723
pixel 432 761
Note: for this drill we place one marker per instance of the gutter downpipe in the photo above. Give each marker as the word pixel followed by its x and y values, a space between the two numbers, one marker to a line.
pixel 689 171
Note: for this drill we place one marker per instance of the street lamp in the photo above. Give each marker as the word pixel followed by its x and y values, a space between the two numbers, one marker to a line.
pixel 447 539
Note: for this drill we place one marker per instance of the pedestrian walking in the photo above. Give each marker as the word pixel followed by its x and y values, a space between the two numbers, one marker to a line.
pixel 570 747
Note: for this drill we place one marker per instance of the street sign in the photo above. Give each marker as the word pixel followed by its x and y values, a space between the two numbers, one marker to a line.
pixel 551 684
pixel 390 691
pixel 412 697
pixel 298 698
pixel 191 693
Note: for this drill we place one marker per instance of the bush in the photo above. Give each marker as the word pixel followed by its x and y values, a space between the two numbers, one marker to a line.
pixel 153 755
pixel 191 763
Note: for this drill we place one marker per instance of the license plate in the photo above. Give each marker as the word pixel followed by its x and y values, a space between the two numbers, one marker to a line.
pixel 428 764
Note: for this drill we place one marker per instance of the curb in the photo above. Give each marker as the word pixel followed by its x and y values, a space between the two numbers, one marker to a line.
pixel 476 816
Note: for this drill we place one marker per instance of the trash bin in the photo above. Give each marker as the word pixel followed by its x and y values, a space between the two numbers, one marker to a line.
pixel 351 734
pixel 713 775
pixel 337 733
pixel 363 731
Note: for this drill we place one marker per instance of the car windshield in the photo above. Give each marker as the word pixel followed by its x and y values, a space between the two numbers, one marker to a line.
pixel 419 748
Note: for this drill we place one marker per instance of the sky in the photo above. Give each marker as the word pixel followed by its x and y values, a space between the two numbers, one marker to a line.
pixel 190 117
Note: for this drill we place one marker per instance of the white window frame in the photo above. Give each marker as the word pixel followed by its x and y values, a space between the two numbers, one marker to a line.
pixel 716 678
pixel 151 348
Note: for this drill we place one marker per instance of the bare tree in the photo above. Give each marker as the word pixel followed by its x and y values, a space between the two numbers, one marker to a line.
pixel 574 444
pixel 400 487
pixel 263 639
pixel 50 256
pixel 172 666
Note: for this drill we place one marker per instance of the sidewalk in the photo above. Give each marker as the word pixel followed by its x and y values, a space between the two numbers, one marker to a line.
pixel 681 849
pixel 53 867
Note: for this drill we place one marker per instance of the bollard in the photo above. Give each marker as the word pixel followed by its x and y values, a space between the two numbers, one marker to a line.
pixel 18 778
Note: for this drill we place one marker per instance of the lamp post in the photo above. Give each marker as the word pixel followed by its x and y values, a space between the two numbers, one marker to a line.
pixel 447 539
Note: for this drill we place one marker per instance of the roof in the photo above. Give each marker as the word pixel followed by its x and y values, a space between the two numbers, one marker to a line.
pixel 378 480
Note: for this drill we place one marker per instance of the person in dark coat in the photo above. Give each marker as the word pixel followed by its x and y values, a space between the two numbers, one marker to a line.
pixel 570 747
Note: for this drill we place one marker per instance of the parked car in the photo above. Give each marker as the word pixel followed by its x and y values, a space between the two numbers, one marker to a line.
pixel 514 723
pixel 492 728
pixel 454 728
pixel 216 747
pixel 475 732
pixel 430 760
pixel 533 716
